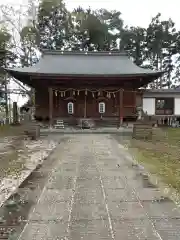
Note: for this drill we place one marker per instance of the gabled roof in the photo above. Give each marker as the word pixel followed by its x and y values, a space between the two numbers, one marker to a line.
pixel 85 63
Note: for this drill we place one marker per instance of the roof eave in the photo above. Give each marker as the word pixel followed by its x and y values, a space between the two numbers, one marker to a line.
pixel 82 53
pixel 15 72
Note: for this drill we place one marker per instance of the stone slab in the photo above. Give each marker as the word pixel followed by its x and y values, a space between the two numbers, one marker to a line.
pixel 120 195
pixel 89 196
pixel 134 230
pixel 126 211
pixel 53 212
pixel 60 182
pixel 113 182
pixel 90 230
pixel 149 194
pixel 88 183
pixel 46 230
pixel 161 209
pixel 169 229
pixel 53 196
pixel 89 211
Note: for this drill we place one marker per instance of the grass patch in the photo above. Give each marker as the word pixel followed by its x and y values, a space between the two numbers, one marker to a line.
pixel 173 136
pixel 161 156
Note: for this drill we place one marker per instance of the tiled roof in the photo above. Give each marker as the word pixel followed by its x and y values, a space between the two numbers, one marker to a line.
pixel 89 63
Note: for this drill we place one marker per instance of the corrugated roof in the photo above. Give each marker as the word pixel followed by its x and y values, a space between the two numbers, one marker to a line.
pixel 89 63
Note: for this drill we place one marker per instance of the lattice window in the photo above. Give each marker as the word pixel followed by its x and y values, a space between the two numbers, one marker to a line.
pixel 160 103
pixel 70 107
pixel 164 106
pixel 102 107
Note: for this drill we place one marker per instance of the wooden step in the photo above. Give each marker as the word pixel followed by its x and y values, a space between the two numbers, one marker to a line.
pixel 59 124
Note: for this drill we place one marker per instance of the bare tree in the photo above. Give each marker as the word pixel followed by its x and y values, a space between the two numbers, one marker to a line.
pixel 20 21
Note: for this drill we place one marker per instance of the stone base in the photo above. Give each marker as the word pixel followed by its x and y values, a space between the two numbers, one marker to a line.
pixel 32 130
pixel 142 131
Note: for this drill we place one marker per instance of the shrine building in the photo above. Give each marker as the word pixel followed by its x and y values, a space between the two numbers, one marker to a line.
pixel 90 85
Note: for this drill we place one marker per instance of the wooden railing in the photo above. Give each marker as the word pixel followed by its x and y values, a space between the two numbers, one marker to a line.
pixel 164 112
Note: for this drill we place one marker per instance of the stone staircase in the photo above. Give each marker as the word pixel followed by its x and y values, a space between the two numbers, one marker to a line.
pixel 86 123
pixel 59 124
pixel 70 123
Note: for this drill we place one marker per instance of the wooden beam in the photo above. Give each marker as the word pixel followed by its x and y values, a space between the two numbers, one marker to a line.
pixel 126 83
pixel 50 107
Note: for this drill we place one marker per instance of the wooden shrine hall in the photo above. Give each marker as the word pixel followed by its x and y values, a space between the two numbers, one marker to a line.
pixel 90 85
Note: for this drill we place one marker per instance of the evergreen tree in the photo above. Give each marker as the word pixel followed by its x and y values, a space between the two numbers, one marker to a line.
pixel 53 24
pixel 160 45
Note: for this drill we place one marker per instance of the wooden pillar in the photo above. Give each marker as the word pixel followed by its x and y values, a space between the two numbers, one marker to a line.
pixel 85 104
pixel 50 107
pixel 134 101
pixel 121 107
pixel 15 113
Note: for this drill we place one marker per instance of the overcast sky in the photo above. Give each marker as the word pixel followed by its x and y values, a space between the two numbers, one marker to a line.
pixel 134 12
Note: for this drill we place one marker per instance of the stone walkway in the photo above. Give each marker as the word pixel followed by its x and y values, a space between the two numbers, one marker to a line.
pixel 94 193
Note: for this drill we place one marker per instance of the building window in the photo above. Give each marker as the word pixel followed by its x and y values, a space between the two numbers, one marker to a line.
pixel 160 103
pixel 70 107
pixel 101 107
pixel 164 106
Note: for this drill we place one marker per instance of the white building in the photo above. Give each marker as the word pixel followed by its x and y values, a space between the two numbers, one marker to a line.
pixel 162 103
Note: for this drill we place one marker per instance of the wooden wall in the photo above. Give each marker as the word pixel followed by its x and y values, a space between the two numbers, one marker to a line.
pixel 92 107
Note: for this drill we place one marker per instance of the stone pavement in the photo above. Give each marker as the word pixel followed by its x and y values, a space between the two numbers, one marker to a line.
pixel 94 193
